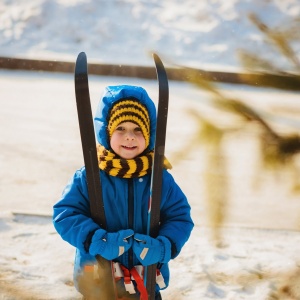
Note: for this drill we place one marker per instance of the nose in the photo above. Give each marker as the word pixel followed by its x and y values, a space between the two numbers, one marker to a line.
pixel 130 135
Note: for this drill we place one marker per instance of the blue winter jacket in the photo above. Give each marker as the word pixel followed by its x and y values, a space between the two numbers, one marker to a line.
pixel 125 200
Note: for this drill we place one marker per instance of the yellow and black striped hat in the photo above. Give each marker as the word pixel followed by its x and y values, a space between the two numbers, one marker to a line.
pixel 129 110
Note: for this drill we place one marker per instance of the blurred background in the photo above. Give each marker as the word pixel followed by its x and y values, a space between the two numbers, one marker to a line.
pixel 234 118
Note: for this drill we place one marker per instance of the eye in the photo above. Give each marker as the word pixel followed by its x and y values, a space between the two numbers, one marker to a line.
pixel 120 128
pixel 137 129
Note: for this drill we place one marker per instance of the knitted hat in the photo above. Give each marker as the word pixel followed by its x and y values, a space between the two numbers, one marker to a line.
pixel 129 110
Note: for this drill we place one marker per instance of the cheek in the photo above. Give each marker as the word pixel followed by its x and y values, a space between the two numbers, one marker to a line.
pixel 114 141
pixel 142 142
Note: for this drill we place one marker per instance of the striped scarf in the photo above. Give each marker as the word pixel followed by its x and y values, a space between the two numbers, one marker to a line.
pixel 126 168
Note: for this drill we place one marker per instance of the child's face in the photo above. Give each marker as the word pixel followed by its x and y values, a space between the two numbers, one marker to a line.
pixel 127 140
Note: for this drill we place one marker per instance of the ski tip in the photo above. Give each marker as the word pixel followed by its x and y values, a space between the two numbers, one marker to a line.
pixel 156 58
pixel 81 56
pixel 160 71
pixel 158 62
pixel 81 63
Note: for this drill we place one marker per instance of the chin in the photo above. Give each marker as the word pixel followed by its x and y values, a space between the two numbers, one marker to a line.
pixel 129 156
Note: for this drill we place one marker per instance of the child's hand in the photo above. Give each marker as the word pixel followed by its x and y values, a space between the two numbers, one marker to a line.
pixel 110 245
pixel 150 251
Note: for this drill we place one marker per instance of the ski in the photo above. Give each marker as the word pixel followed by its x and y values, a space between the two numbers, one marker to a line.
pixel 88 142
pixel 157 168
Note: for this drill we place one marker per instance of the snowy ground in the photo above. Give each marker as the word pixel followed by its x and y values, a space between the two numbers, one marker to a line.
pixel 40 150
pixel 204 34
pixel 40 143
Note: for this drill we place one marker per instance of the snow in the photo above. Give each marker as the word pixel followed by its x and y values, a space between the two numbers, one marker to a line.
pixel 40 143
pixel 197 33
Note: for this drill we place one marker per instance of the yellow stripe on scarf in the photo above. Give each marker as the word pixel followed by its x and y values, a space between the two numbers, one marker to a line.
pixel 126 168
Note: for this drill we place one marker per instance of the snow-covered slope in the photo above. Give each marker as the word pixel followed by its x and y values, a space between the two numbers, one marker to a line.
pixel 194 33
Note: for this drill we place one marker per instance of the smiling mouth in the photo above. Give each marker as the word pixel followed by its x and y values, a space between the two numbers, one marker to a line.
pixel 129 148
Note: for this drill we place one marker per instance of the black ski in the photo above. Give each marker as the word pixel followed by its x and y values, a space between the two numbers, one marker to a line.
pixel 92 170
pixel 157 168
pixel 88 142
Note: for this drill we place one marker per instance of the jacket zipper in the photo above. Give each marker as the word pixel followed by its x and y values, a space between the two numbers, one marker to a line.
pixel 130 218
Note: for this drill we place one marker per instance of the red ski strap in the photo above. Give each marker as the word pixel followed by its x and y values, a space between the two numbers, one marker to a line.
pixel 140 284
pixel 134 274
pixel 129 287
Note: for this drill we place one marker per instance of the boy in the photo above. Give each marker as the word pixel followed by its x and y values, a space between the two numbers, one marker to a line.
pixel 125 125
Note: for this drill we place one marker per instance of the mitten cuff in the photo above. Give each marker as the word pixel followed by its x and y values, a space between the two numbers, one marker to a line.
pixel 88 241
pixel 166 249
pixel 97 243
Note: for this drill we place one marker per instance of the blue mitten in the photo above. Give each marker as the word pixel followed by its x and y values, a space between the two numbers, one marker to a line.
pixel 110 245
pixel 150 251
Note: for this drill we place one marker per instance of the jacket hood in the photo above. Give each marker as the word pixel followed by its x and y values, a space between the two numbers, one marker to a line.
pixel 113 94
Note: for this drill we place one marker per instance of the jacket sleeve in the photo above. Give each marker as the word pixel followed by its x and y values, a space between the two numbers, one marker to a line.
pixel 176 222
pixel 71 214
